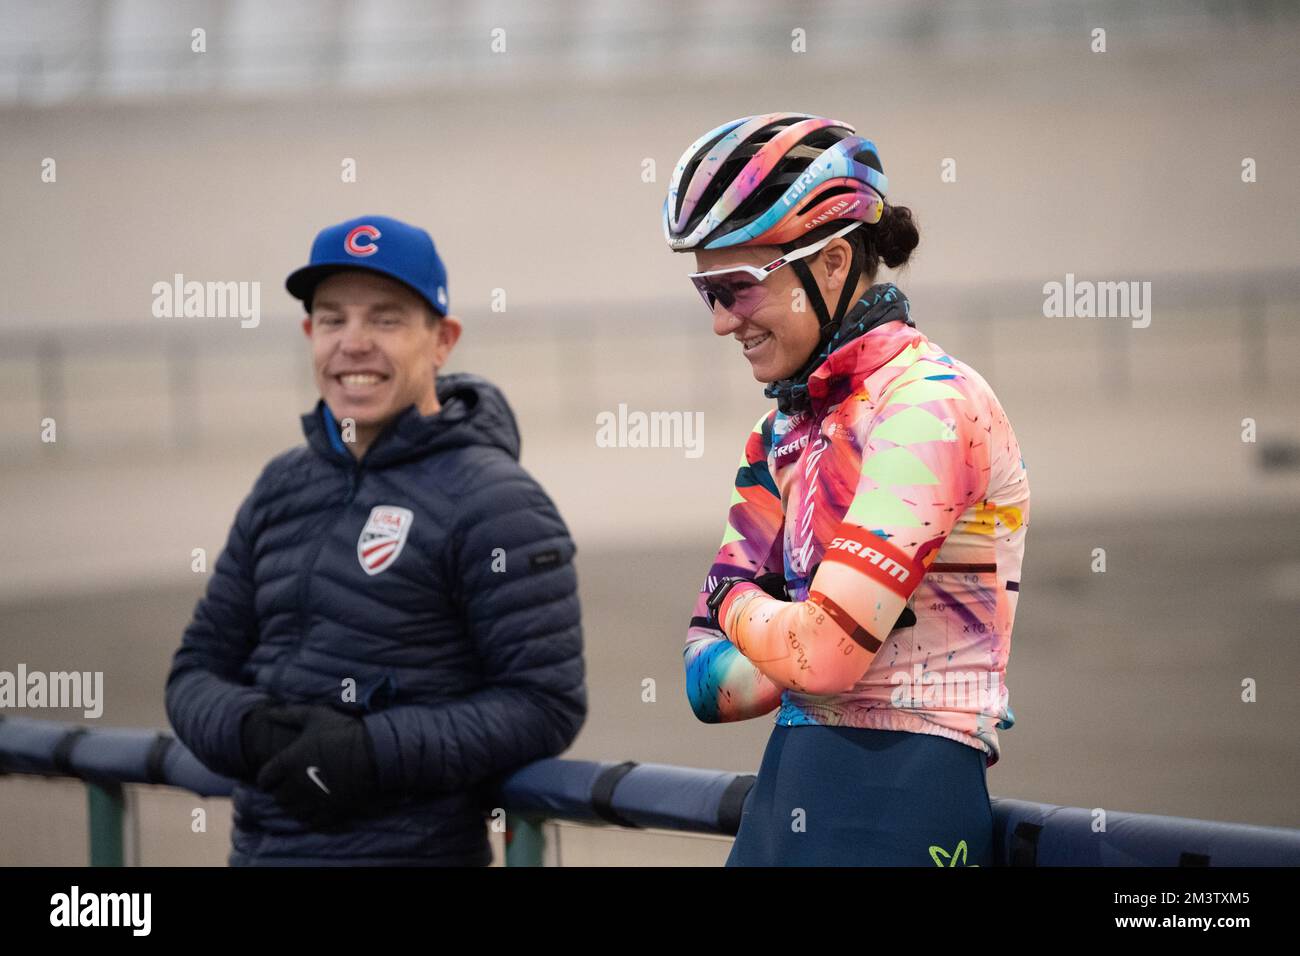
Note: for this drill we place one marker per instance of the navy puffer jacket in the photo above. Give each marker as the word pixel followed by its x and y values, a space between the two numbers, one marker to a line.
pixel 435 574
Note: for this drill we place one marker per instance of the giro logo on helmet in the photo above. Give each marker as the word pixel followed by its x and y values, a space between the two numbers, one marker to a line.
pixel 797 187
pixel 355 247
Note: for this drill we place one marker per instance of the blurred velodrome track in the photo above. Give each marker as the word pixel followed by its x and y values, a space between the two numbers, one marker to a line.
pixel 1120 166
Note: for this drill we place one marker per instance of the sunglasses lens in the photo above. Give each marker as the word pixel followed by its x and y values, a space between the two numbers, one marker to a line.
pixel 712 293
pixel 738 298
pixel 723 295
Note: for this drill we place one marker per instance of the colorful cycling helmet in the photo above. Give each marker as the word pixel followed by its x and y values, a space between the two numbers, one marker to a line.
pixel 769 180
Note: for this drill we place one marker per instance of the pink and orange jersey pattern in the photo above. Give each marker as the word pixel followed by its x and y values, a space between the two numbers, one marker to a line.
pixel 895 509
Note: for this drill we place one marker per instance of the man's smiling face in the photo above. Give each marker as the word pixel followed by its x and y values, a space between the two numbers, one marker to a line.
pixel 376 346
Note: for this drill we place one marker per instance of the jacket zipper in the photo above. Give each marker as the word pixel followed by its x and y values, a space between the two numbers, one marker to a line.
pixel 354 481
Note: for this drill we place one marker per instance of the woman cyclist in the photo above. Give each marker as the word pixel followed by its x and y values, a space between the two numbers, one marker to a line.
pixel 867 580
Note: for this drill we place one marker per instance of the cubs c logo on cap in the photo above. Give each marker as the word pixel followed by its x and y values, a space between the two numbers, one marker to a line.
pixel 361 241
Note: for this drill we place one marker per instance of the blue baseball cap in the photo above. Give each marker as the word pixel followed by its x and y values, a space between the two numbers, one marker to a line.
pixel 379 244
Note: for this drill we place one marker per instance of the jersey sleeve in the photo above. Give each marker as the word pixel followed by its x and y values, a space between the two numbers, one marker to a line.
pixel 721 684
pixel 925 460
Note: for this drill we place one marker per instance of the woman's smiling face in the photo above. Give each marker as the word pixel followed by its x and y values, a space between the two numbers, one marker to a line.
pixel 775 324
pixel 778 328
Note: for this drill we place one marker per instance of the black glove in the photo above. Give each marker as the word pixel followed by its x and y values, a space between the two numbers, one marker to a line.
pixel 328 773
pixel 267 729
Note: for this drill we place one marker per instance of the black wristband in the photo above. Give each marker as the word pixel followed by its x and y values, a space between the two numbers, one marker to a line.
pixel 718 595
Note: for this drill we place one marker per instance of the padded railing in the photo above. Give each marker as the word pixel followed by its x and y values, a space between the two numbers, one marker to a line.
pixel 633 795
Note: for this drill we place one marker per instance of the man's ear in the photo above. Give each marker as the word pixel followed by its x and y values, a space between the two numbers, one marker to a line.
pixel 448 333
pixel 306 325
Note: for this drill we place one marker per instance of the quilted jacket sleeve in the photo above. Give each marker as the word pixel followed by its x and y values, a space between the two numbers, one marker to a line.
pixel 205 696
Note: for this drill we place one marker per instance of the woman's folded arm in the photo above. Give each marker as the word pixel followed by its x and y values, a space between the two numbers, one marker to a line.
pixel 919 475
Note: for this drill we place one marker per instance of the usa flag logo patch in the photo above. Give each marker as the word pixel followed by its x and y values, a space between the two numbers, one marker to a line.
pixel 383 536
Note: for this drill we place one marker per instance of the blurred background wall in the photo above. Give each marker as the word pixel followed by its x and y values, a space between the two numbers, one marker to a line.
pixel 540 170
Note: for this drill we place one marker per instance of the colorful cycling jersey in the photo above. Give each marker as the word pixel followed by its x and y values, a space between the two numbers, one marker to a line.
pixel 895 509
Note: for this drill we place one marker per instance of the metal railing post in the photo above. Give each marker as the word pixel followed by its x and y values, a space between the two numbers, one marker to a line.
pixel 107 812
pixel 525 840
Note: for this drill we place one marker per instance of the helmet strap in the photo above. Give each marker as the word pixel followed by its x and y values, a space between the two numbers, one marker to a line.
pixel 828 324
pixel 813 293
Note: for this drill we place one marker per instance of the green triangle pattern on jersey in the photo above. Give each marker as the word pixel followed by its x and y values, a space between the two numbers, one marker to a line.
pixel 919 391
pixel 736 497
pixel 731 535
pixel 921 369
pixel 910 427
pixel 897 466
pixel 879 509
pixel 905 357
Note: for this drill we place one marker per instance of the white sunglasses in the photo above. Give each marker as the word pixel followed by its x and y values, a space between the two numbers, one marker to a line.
pixel 741 300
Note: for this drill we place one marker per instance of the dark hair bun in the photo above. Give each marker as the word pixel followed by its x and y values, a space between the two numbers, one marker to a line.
pixel 895 236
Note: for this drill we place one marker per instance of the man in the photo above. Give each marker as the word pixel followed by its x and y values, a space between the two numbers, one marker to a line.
pixel 394 622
